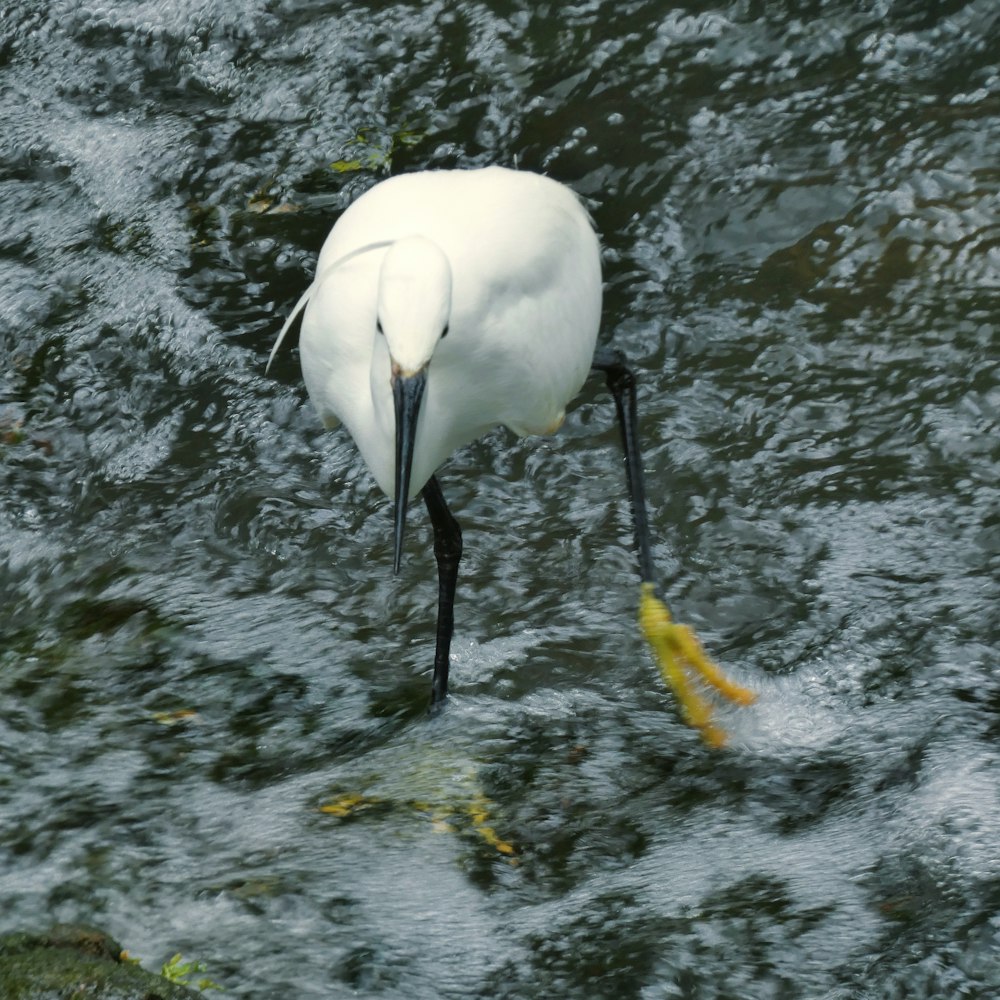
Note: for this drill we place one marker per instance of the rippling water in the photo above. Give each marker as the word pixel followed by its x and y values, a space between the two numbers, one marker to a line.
pixel 800 213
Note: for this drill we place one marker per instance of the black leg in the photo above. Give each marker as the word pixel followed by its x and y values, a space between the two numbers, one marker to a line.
pixel 675 647
pixel 621 383
pixel 448 552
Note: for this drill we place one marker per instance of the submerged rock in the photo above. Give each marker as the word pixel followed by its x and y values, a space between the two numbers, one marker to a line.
pixel 77 963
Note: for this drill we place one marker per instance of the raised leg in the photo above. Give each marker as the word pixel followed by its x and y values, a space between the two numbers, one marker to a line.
pixel 621 384
pixel 675 647
pixel 448 552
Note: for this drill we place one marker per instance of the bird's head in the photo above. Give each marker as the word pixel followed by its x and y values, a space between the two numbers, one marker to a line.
pixel 414 301
pixel 414 305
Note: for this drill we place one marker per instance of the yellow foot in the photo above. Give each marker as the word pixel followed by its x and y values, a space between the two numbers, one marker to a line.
pixel 448 816
pixel 478 810
pixel 348 805
pixel 679 653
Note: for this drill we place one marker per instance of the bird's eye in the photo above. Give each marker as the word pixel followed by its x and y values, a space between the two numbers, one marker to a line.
pixel 378 327
pixel 444 332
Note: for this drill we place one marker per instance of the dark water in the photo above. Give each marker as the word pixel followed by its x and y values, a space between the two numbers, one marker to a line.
pixel 799 205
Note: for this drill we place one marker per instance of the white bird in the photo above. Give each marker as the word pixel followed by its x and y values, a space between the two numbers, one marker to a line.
pixel 446 303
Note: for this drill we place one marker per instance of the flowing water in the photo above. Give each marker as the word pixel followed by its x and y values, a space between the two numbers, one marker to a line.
pixel 213 736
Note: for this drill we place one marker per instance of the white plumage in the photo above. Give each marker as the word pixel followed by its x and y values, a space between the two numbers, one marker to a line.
pixel 522 311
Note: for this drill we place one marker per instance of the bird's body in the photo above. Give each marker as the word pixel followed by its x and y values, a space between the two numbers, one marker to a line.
pixel 446 303
pixel 525 311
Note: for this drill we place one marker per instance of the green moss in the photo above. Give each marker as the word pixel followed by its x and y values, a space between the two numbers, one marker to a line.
pixel 77 963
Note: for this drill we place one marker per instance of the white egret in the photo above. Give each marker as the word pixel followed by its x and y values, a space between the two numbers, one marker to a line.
pixel 445 303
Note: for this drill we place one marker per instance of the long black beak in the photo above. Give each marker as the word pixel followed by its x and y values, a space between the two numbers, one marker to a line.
pixel 407 392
